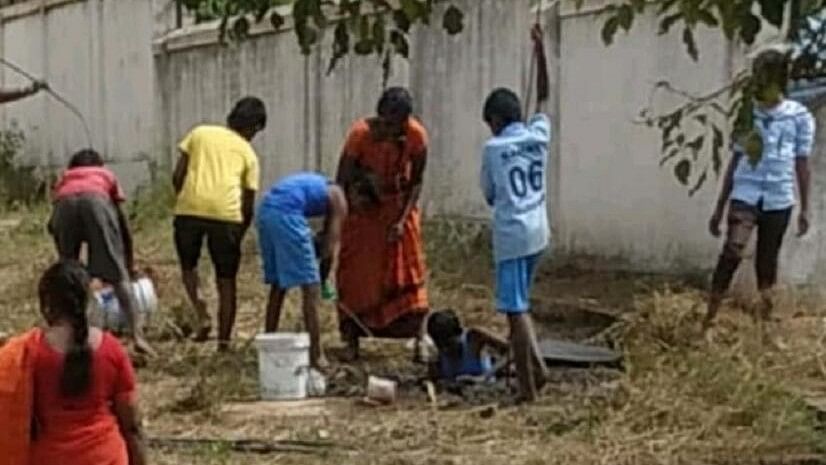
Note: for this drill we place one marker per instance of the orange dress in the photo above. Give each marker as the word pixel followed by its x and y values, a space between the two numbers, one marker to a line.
pixel 383 283
pixel 17 359
pixel 81 430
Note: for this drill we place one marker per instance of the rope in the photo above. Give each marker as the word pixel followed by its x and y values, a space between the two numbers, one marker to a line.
pixel 56 96
pixel 532 69
pixel 355 319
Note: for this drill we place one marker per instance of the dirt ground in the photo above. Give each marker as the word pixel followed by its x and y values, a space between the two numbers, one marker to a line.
pixel 738 398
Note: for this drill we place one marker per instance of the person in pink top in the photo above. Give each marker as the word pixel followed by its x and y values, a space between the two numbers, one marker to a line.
pixel 87 201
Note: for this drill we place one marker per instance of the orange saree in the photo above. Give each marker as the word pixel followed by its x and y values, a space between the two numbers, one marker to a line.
pixel 17 359
pixel 382 283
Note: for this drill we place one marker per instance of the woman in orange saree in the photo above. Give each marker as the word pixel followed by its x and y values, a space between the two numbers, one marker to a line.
pixel 381 269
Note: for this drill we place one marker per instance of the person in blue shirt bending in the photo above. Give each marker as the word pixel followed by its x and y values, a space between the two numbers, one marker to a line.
pixel 759 184
pixel 287 244
pixel 514 165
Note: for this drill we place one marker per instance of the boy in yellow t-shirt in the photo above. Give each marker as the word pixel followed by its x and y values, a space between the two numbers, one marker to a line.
pixel 216 178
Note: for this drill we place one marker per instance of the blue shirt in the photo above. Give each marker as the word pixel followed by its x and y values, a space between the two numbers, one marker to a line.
pixel 513 181
pixel 468 364
pixel 301 193
pixel 788 133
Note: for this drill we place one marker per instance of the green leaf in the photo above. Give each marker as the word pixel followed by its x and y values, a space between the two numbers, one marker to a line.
pixel 671 154
pixel 379 34
pixel 690 44
pixel 671 122
pixel 276 20
pixel 666 143
pixel 413 9
pixel 716 149
pixel 386 68
pixel 222 29
pixel 700 181
pixel 682 171
pixel 609 29
pixel 364 47
pixel 241 28
pixel 352 7
pixel 728 18
pixel 707 17
pixel 625 16
pixel 665 6
pixel 400 44
pixel 453 20
pixel 307 36
pixel 668 22
pixel 696 145
pixel 320 20
pixel 341 45
pixel 773 11
pixel 263 8
pixel 402 21
pixel 749 28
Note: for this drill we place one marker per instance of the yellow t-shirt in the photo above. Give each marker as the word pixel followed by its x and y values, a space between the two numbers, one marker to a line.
pixel 221 165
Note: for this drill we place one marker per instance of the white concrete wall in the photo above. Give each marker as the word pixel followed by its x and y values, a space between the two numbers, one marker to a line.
pixel 609 197
pixel 98 55
pixel 311 112
pixel 614 200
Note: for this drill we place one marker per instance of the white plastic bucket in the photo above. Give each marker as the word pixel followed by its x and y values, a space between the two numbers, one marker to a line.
pixel 108 307
pixel 283 365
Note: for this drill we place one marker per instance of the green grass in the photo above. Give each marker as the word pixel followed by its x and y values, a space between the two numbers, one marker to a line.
pixel 681 400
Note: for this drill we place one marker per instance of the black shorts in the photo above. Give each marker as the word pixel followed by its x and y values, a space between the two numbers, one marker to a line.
pixel 223 240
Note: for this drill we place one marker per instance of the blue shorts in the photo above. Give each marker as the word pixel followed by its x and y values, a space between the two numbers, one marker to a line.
pixel 513 284
pixel 287 250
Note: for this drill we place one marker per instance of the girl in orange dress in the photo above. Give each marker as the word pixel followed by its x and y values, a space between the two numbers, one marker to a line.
pixel 84 408
pixel 382 272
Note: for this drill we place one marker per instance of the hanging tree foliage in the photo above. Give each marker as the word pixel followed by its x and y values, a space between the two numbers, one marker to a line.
pixel 363 27
pixel 694 134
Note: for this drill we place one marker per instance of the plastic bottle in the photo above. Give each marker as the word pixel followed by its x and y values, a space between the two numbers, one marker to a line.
pixel 328 292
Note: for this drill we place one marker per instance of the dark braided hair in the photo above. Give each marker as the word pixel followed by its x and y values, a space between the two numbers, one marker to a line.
pixel 64 293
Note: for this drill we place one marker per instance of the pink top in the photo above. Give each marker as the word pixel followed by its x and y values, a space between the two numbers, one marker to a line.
pixel 89 180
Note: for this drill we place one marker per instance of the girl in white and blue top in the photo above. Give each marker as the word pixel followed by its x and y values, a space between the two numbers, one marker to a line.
pixel 759 185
